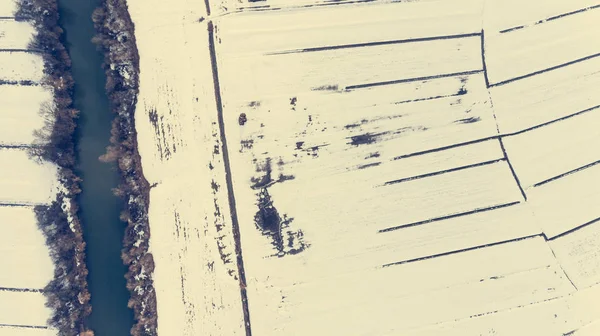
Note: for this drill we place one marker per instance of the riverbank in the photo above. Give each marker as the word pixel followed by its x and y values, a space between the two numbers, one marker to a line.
pixel 197 276
pixel 67 294
pixel 116 39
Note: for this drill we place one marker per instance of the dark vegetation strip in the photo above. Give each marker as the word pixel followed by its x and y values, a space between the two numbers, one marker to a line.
pixel 229 181
pixel 443 148
pixel 18 205
pixel 472 248
pixel 23 326
pixel 512 170
pixel 412 178
pixel 23 82
pixel 552 121
pixel 18 146
pixel 207 5
pixel 21 290
pixel 67 293
pixel 379 43
pixel 483 62
pixel 545 70
pixel 116 39
pixel 415 79
pixel 577 228
pixel 437 219
pixel 466 143
pixel 28 51
pixel 552 18
pixel 567 173
pixel 511 29
pixel 460 93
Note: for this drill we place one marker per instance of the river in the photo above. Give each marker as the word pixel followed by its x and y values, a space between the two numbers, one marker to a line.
pixel 99 208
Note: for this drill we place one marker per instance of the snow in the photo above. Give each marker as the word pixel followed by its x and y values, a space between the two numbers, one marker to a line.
pixel 8 8
pixel 195 278
pixel 555 317
pixel 407 187
pixel 19 65
pixel 23 308
pixel 26 267
pixel 567 203
pixel 15 34
pixel 546 152
pixel 545 46
pixel 15 331
pixel 579 253
pixel 505 14
pixel 26 181
pixel 547 97
pixel 377 22
pixel 24 242
pixel 591 329
pixel 21 117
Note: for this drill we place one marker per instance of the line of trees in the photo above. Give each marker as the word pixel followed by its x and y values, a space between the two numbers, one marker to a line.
pixel 115 38
pixel 67 293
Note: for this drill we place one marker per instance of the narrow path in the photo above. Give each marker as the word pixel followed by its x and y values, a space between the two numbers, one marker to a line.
pixel 232 205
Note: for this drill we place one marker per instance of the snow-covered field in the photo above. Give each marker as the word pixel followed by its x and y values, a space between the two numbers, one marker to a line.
pixel 25 265
pixel 407 168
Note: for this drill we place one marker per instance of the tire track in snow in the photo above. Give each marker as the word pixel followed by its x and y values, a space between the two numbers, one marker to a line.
pixel 373 44
pixel 472 248
pixel 455 169
pixel 566 173
pixel 466 143
pixel 539 72
pixel 415 79
pixel 460 214
pixel 552 18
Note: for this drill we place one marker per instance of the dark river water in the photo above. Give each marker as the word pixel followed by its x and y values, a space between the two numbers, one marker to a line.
pixel 99 209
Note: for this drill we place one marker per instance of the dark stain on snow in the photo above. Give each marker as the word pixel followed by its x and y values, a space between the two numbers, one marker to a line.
pixel 254 103
pixel 326 88
pixel 242 119
pixel 275 226
pixel 410 129
pixel 369 165
pixel 367 121
pixel 246 144
pixel 299 144
pixel 214 185
pixel 283 178
pixel 264 178
pixel 293 101
pixel 355 125
pixel 372 155
pixel 365 139
pixel 468 120
pixel 164 149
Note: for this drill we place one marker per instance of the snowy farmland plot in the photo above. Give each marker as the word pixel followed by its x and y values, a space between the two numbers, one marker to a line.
pixel 407 168
pixel 24 183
